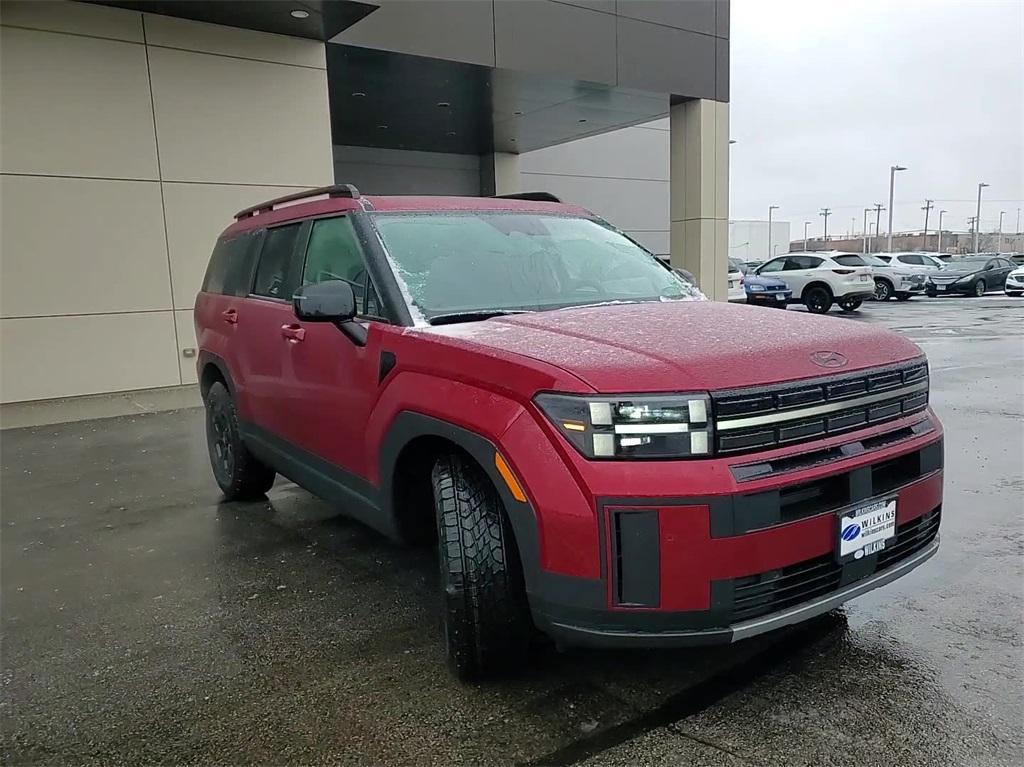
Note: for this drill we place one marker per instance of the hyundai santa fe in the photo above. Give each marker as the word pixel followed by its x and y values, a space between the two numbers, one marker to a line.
pixel 601 455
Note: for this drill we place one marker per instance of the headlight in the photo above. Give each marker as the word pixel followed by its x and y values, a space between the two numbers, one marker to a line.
pixel 756 288
pixel 626 426
pixel 965 277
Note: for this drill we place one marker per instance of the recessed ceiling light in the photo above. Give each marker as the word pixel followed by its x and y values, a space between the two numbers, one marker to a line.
pixel 298 13
pixel 382 127
pixel 443 104
pixel 517 113
pixel 450 133
pixel 358 94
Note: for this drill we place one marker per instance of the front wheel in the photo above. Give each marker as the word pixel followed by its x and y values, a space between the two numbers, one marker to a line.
pixel 239 474
pixel 980 288
pixel 883 290
pixel 850 304
pixel 818 300
pixel 487 626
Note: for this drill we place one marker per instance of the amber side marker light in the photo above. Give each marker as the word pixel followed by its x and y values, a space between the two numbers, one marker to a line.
pixel 510 479
pixel 574 426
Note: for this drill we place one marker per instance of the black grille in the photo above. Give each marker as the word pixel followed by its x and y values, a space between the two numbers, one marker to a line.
pixel 791 398
pixel 766 593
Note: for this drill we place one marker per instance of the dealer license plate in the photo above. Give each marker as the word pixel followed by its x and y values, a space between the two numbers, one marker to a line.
pixel 780 297
pixel 940 287
pixel 865 530
pixel 865 278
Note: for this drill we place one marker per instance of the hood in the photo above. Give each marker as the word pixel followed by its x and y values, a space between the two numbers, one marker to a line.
pixel 684 345
pixel 955 272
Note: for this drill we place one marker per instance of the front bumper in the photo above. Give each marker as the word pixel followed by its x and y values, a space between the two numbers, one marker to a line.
pixel 770 298
pixel 584 635
pixel 934 289
pixel 678 571
pixel 1014 284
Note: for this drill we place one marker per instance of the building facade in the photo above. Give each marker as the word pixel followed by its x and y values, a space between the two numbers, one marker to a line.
pixel 130 132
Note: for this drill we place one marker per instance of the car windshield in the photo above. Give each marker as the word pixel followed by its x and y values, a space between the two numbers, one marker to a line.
pixel 478 263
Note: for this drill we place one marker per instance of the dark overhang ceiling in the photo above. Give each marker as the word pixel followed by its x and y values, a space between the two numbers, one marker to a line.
pixel 398 101
pixel 326 18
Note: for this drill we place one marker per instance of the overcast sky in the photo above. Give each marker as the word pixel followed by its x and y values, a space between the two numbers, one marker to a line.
pixel 827 94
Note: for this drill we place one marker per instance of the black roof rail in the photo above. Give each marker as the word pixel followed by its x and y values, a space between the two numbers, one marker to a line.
pixel 532 196
pixel 335 190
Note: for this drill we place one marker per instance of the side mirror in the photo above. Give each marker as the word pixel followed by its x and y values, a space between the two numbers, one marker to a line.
pixel 328 301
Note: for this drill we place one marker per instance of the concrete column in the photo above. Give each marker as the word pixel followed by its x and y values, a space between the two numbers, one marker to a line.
pixel 699 192
pixel 499 174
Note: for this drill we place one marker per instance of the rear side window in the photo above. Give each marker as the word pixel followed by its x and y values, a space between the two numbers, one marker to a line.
pixel 276 274
pixel 802 262
pixel 913 260
pixel 230 265
pixel 850 261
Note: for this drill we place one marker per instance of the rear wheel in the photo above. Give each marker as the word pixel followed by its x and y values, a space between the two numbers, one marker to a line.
pixel 980 288
pixel 850 304
pixel 487 626
pixel 239 474
pixel 818 300
pixel 883 289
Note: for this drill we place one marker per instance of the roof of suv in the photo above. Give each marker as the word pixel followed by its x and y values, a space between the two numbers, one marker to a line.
pixel 343 197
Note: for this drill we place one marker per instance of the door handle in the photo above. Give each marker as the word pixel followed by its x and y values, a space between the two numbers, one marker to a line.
pixel 293 333
pixel 230 316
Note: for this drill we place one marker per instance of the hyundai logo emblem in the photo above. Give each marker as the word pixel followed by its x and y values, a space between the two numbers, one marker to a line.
pixel 850 532
pixel 828 359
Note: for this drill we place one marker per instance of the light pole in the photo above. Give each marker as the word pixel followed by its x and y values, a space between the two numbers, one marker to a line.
pixel 1017 228
pixel 977 217
pixel 927 209
pixel 938 249
pixel 806 224
pixel 770 209
pixel 892 185
pixel 826 212
pixel 1001 214
pixel 853 226
pixel 878 221
pixel 866 211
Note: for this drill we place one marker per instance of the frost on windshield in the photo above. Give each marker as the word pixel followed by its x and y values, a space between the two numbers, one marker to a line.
pixel 473 262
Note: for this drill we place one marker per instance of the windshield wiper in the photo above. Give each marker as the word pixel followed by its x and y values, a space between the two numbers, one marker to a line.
pixel 474 316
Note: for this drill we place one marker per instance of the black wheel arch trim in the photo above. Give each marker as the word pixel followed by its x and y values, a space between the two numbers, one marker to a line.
pixel 409 426
pixel 204 361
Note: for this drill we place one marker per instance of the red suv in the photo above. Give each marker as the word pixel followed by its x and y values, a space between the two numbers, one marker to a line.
pixel 599 453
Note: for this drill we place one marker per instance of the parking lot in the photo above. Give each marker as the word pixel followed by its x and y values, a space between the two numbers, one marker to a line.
pixel 145 622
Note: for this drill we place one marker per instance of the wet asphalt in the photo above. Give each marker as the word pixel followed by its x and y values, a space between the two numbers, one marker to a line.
pixel 146 622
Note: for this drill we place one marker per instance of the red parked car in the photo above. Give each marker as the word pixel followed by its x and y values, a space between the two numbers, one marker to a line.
pixel 598 455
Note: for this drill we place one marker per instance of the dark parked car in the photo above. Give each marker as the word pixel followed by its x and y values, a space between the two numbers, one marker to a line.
pixel 970 275
pixel 593 454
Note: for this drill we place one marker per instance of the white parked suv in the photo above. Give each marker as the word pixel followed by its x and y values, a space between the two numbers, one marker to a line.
pixel 901 274
pixel 819 280
pixel 736 291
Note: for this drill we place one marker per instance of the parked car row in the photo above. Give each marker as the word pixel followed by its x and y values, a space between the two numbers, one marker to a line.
pixel 820 280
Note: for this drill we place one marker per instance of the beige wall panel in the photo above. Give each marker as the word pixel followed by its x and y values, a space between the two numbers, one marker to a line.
pixel 186 340
pixel 196 215
pixel 46 357
pixel 77 18
pixel 231 41
pixel 75 106
pixel 79 246
pixel 236 121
